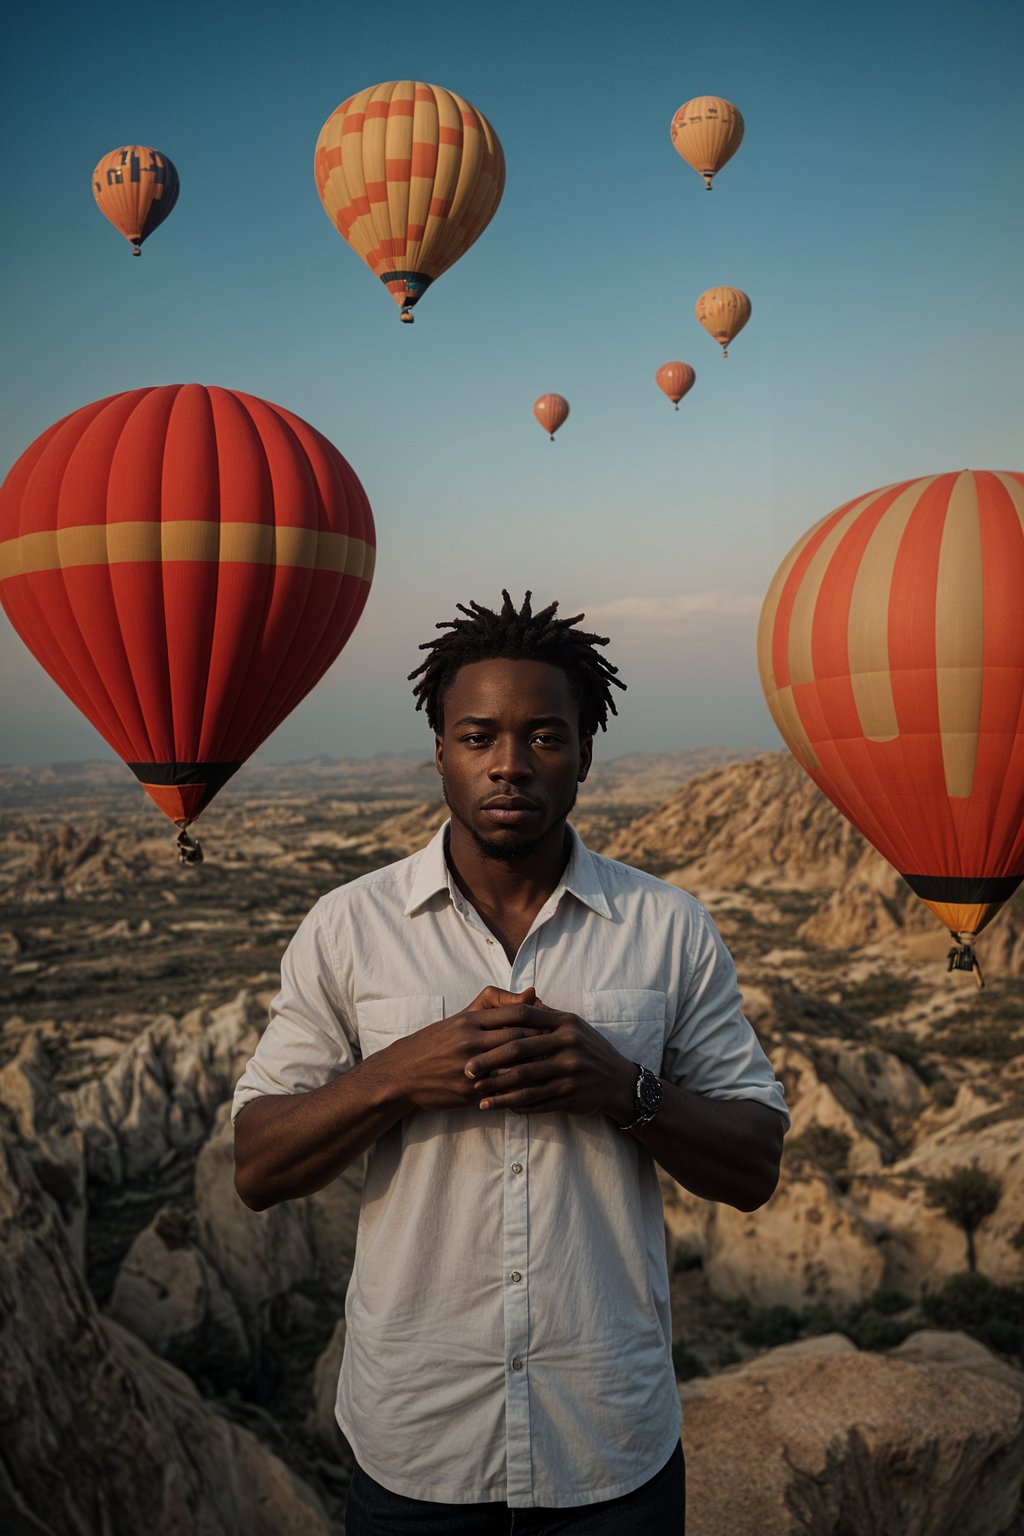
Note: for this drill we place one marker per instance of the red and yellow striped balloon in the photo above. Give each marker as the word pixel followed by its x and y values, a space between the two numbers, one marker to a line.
pixel 186 563
pixel 135 188
pixel 675 380
pixel 410 175
pixel 551 411
pixel 891 652
pixel 707 132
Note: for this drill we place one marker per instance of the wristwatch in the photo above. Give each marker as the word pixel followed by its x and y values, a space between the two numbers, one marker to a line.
pixel 647 1095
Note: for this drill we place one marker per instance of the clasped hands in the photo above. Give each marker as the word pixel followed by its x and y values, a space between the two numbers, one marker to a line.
pixel 508 1050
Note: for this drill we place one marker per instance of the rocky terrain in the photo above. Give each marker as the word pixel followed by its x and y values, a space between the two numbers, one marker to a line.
pixel 181 1352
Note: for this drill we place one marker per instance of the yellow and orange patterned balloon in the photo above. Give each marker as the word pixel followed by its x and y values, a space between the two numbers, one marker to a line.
pixel 551 411
pixel 707 132
pixel 675 380
pixel 135 188
pixel 723 312
pixel 410 175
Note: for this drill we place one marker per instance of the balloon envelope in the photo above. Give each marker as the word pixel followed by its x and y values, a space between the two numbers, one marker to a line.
pixel 551 411
pixel 675 380
pixel 135 188
pixel 891 652
pixel 723 312
pixel 185 562
pixel 707 132
pixel 410 175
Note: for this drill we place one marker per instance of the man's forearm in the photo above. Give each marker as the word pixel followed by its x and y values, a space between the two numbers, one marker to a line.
pixel 292 1144
pixel 719 1149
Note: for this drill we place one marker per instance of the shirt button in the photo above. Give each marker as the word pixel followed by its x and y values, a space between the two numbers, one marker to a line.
pixel 517 1167
pixel 489 941
pixel 517 1364
pixel 515 1275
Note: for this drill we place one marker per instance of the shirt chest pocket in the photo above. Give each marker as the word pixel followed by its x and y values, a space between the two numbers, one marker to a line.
pixel 386 1019
pixel 633 1020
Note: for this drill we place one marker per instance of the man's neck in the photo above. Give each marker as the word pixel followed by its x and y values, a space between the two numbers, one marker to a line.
pixel 508 894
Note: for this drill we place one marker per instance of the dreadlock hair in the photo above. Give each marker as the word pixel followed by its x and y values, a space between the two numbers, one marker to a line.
pixel 518 635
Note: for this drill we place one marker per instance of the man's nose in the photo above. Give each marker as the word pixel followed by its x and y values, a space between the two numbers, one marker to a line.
pixel 511 762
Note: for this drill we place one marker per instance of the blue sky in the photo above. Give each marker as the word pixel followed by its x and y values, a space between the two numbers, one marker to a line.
pixel 873 215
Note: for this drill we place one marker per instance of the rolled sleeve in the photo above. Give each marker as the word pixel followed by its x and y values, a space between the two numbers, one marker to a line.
pixel 712 1049
pixel 309 1038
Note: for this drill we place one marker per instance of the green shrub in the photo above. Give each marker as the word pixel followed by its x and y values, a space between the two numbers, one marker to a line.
pixel 822 1147
pixel 965 1196
pixel 993 1314
pixel 888 1301
pixel 686 1364
pixel 995 1042
pixel 872 1330
pixel 767 1327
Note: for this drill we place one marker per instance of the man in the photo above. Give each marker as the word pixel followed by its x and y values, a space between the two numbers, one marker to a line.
pixel 515 1030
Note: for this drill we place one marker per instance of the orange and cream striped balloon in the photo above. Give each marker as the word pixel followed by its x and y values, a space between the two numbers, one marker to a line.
pixel 891 652
pixel 135 188
pixel 551 411
pixel 675 380
pixel 707 132
pixel 723 312
pixel 410 175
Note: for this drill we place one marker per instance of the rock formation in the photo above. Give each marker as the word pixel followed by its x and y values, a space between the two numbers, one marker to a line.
pixel 816 1439
pixel 96 1433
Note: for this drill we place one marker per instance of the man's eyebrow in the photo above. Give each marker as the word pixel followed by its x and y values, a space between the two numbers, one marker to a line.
pixel 531 724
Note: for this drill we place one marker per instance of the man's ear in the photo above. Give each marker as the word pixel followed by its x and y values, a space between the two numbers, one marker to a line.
pixel 586 757
pixel 439 755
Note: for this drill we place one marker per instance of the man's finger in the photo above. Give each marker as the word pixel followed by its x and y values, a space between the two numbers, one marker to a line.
pixel 496 997
pixel 530 1046
pixel 518 1013
pixel 543 1094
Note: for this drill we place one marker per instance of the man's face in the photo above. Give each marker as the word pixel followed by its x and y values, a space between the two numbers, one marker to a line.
pixel 510 754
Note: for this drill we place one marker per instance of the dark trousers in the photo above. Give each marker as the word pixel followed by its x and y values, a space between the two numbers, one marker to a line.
pixel 657 1508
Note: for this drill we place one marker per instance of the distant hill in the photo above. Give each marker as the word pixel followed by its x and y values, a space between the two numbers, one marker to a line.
pixel 763 823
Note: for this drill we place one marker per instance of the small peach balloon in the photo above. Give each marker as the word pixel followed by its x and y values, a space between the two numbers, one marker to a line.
pixel 675 380
pixel 551 411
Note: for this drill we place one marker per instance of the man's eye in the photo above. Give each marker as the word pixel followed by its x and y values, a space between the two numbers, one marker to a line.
pixel 548 739
pixel 474 741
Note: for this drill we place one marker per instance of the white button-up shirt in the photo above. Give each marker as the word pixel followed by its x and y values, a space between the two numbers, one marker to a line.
pixel 509 1335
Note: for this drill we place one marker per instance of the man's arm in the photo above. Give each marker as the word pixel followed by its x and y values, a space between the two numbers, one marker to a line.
pixel 720 1149
pixel 292 1144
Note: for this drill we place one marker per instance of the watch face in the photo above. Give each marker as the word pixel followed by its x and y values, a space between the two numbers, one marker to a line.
pixel 649 1092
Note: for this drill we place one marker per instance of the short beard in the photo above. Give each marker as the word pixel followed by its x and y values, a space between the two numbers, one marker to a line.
pixel 504 853
pixel 510 851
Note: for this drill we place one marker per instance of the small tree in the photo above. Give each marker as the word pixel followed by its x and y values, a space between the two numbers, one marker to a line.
pixel 966 1196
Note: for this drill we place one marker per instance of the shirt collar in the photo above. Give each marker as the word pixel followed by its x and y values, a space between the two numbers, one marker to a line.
pixel 582 876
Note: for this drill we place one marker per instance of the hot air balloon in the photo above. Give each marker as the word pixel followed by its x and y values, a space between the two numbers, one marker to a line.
pixel 409 175
pixel 707 132
pixel 675 380
pixel 723 312
pixel 891 652
pixel 186 562
pixel 135 188
pixel 551 411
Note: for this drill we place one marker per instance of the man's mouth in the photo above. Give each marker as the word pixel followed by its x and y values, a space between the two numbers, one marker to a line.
pixel 509 810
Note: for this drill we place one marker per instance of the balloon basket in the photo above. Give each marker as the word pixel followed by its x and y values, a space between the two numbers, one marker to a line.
pixel 962 957
pixel 189 850
pixel 406 316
